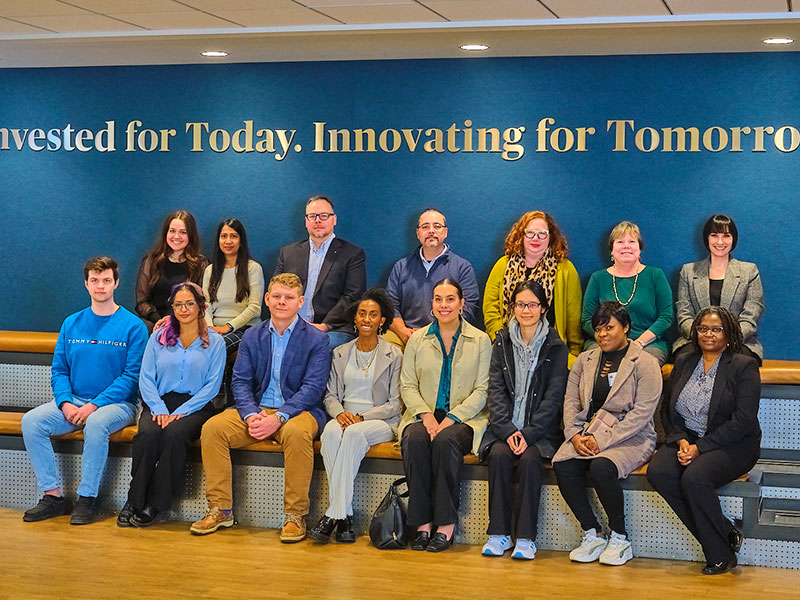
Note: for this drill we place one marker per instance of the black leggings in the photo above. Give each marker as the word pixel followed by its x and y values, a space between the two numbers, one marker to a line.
pixel 605 479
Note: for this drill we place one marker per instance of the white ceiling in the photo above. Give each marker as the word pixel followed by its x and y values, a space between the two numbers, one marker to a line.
pixel 117 32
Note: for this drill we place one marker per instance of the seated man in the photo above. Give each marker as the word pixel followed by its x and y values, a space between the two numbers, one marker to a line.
pixel 279 378
pixel 413 277
pixel 331 270
pixel 95 376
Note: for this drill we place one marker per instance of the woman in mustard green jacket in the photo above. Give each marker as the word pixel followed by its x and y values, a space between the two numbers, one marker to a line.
pixel 535 249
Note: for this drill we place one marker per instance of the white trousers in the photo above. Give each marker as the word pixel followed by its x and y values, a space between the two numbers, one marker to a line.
pixel 342 452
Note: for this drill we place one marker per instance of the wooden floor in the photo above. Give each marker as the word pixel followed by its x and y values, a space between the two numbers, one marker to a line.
pixel 52 559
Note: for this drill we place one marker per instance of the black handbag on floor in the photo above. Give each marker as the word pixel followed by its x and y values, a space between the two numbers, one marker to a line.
pixel 388 530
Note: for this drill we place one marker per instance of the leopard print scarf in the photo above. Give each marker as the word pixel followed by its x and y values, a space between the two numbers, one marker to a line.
pixel 543 272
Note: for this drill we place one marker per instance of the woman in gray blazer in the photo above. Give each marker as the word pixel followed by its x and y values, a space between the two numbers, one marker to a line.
pixel 720 280
pixel 363 397
pixel 612 393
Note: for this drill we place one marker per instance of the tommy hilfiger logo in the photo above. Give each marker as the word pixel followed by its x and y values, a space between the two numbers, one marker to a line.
pixel 100 342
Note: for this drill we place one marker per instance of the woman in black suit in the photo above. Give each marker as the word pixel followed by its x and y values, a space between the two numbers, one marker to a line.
pixel 710 416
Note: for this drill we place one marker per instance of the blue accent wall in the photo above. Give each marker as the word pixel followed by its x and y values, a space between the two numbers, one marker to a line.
pixel 61 207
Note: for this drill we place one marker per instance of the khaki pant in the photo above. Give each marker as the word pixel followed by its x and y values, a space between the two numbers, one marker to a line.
pixel 227 430
pixel 393 338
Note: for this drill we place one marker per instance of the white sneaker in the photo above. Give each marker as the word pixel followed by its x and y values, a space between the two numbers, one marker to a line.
pixel 618 551
pixel 592 546
pixel 524 550
pixel 496 545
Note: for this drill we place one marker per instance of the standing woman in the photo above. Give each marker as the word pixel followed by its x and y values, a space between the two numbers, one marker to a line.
pixel 443 385
pixel 175 258
pixel 536 249
pixel 233 284
pixel 720 280
pixel 710 417
pixel 181 373
pixel 527 379
pixel 363 399
pixel 643 290
pixel 612 392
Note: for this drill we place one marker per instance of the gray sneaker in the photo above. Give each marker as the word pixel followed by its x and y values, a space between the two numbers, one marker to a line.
pixel 48 507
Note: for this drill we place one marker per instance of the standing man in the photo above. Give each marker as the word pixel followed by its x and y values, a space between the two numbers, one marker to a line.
pixel 279 378
pixel 413 277
pixel 332 272
pixel 95 377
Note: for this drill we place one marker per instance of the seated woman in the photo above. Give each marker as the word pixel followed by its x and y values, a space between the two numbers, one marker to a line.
pixel 443 384
pixel 363 398
pixel 527 378
pixel 175 258
pixel 181 373
pixel 643 290
pixel 720 280
pixel 233 284
pixel 535 249
pixel 710 417
pixel 612 393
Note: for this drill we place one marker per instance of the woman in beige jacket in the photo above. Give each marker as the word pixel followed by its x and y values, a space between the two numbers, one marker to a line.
pixel 443 385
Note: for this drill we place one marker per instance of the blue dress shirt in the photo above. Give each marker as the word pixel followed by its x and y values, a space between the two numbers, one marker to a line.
pixel 315 259
pixel 273 397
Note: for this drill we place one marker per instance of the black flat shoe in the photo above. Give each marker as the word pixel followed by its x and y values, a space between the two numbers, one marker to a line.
pixel 344 530
pixel 735 538
pixel 144 517
pixel 323 530
pixel 421 540
pixel 439 543
pixel 721 567
pixel 124 516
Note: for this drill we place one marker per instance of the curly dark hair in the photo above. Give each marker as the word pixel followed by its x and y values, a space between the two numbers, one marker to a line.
pixel 603 313
pixel 730 327
pixel 384 302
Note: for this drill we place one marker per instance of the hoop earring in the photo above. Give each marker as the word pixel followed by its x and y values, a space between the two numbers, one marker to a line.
pixel 433 315
pixel 355 328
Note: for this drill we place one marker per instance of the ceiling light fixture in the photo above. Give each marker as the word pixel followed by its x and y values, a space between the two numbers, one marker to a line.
pixel 778 41
pixel 214 53
pixel 474 47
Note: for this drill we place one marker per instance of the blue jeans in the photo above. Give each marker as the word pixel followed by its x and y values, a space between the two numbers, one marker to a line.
pixel 337 338
pixel 46 420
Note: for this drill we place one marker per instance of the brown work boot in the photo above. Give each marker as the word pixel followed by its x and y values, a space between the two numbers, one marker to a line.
pixel 214 519
pixel 294 529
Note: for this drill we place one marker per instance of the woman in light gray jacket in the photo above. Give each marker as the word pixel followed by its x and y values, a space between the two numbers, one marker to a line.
pixel 363 398
pixel 720 280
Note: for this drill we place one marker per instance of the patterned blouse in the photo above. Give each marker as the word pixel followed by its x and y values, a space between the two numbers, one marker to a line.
pixel 695 398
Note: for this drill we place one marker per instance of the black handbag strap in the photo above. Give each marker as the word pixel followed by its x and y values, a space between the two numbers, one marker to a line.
pixel 398 482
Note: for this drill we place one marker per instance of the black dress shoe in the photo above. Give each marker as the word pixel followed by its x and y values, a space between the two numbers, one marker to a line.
pixel 721 567
pixel 344 530
pixel 439 543
pixel 83 513
pixel 124 516
pixel 144 517
pixel 323 530
pixel 421 540
pixel 735 539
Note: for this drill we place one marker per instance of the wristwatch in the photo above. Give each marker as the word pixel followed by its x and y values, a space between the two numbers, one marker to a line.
pixel 281 418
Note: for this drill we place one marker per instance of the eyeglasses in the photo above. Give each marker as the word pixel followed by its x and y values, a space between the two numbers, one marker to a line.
pixel 429 226
pixel 702 330
pixel 320 216
pixel 529 305
pixel 179 305
pixel 540 233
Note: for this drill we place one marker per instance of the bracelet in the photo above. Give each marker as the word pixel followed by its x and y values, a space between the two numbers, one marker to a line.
pixel 640 343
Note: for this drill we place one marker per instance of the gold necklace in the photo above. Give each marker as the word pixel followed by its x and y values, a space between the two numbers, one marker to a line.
pixel 614 283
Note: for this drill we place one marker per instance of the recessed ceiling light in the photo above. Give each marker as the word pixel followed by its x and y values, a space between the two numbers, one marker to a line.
pixel 474 47
pixel 778 40
pixel 214 53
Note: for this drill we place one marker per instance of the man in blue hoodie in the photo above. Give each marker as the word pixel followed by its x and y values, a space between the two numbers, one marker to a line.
pixel 95 377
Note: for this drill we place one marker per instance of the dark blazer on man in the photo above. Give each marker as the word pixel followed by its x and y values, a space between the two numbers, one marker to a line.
pixel 733 410
pixel 342 279
pixel 304 371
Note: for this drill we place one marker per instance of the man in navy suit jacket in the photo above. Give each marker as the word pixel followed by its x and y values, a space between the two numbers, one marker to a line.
pixel 279 379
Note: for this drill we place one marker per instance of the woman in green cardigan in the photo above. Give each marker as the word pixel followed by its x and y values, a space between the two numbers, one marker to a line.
pixel 536 249
pixel 643 290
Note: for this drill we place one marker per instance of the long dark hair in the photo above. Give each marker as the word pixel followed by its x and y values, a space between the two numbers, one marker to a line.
pixel 242 260
pixel 191 254
pixel 730 326
pixel 172 330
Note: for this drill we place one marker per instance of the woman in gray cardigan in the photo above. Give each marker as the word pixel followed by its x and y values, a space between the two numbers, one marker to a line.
pixel 612 394
pixel 720 280
pixel 363 398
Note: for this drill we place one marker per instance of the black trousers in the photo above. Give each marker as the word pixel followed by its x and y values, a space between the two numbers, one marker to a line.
pixel 530 471
pixel 159 455
pixel 691 491
pixel 433 471
pixel 605 479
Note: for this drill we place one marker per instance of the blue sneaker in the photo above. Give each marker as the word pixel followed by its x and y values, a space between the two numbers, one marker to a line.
pixel 524 550
pixel 496 545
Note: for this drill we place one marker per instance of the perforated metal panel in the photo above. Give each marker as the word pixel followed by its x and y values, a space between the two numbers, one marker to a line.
pixel 780 492
pixel 24 385
pixel 779 418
